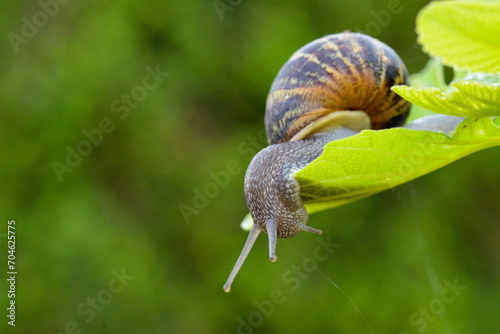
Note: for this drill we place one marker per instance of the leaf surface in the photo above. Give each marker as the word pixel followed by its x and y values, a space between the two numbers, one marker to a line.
pixel 376 160
pixel 465 98
pixel 464 34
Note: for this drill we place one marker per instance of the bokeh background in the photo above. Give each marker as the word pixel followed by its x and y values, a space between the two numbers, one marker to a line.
pixel 118 210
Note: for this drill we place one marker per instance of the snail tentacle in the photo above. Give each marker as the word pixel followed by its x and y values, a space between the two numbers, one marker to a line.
pixel 252 236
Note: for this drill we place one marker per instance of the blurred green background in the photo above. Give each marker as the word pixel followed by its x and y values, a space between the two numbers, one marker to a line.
pixel 117 212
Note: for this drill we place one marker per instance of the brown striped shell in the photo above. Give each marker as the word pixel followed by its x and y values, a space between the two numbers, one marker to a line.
pixel 340 72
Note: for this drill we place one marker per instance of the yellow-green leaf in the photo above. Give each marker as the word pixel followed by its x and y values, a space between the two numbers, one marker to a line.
pixel 465 34
pixel 430 76
pixel 375 160
pixel 464 98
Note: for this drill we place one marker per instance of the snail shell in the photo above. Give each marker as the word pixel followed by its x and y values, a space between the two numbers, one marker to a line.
pixel 332 75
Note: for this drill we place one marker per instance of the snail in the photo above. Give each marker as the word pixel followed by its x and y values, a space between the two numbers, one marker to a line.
pixel 332 88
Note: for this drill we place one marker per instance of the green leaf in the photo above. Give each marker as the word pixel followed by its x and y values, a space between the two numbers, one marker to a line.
pixel 376 160
pixel 247 222
pixel 430 76
pixel 462 33
pixel 466 98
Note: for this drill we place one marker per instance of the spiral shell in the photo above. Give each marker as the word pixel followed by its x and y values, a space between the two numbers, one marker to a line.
pixel 336 73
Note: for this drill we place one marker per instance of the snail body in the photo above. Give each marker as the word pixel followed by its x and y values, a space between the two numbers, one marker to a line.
pixel 331 88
